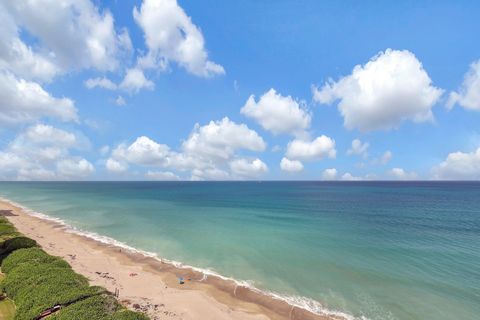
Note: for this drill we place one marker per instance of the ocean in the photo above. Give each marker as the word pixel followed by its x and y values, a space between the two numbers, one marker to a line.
pixel 368 250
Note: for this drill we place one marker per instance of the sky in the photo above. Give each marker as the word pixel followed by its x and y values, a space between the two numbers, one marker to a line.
pixel 239 90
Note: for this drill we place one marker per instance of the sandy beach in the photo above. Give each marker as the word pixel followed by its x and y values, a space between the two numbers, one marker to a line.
pixel 148 285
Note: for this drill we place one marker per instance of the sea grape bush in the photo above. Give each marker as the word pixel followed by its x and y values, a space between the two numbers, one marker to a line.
pixel 37 281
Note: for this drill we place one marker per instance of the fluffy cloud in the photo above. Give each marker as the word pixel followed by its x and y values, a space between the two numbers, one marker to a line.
pixel 75 168
pixel 385 158
pixel 72 34
pixel 115 166
pixel 317 149
pixel 209 153
pixel 277 113
pixel 135 80
pixel 400 174
pixel 24 101
pixel 143 151
pixel 170 35
pixel 38 174
pixel 329 174
pixel 349 177
pixel 44 134
pixel 120 101
pixel 359 148
pixel 468 96
pixel 391 88
pixel 459 166
pixel 162 176
pixel 209 174
pixel 248 169
pixel 291 165
pixel 43 152
pixel 103 82
pixel 19 58
pixel 220 139
pixel 39 138
pixel 11 162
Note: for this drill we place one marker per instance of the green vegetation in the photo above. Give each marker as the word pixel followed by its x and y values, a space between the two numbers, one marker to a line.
pixel 11 240
pixel 7 309
pixel 6 227
pixel 15 243
pixel 32 256
pixel 97 307
pixel 36 287
pixel 37 281
pixel 127 315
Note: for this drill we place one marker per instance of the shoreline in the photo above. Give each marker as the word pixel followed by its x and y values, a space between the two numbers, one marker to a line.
pixel 150 284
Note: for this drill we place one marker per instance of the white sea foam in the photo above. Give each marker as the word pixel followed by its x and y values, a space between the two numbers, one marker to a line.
pixel 297 301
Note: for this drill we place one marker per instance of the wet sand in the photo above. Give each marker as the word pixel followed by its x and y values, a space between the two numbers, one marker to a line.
pixel 149 285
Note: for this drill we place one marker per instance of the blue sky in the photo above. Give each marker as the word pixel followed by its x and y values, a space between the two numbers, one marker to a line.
pixel 361 90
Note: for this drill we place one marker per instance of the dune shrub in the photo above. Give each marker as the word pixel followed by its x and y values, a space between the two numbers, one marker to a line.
pixel 15 243
pixel 7 231
pixel 11 240
pixel 127 315
pixel 37 281
pixel 6 228
pixel 36 287
pixel 31 255
pixel 96 307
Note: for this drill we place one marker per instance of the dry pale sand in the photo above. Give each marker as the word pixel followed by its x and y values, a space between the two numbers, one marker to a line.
pixel 149 285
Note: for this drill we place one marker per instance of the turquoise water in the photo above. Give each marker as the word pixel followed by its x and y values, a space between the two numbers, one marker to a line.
pixel 379 250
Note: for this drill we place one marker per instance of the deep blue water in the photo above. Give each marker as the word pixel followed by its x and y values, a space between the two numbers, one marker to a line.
pixel 379 250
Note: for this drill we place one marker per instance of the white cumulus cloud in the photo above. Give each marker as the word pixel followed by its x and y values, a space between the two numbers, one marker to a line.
pixel 75 168
pixel 291 165
pixel 220 139
pixel 45 134
pixel 25 101
pixel 401 174
pixel 277 113
pixel 321 147
pixel 349 177
pixel 43 152
pixel 71 34
pixel 170 35
pixel 468 95
pixel 18 57
pixel 102 82
pixel 142 151
pixel 36 174
pixel 248 169
pixel 359 148
pixel 135 80
pixel 120 101
pixel 162 176
pixel 209 174
pixel 391 88
pixel 459 166
pixel 329 174
pixel 113 165
pixel 211 152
